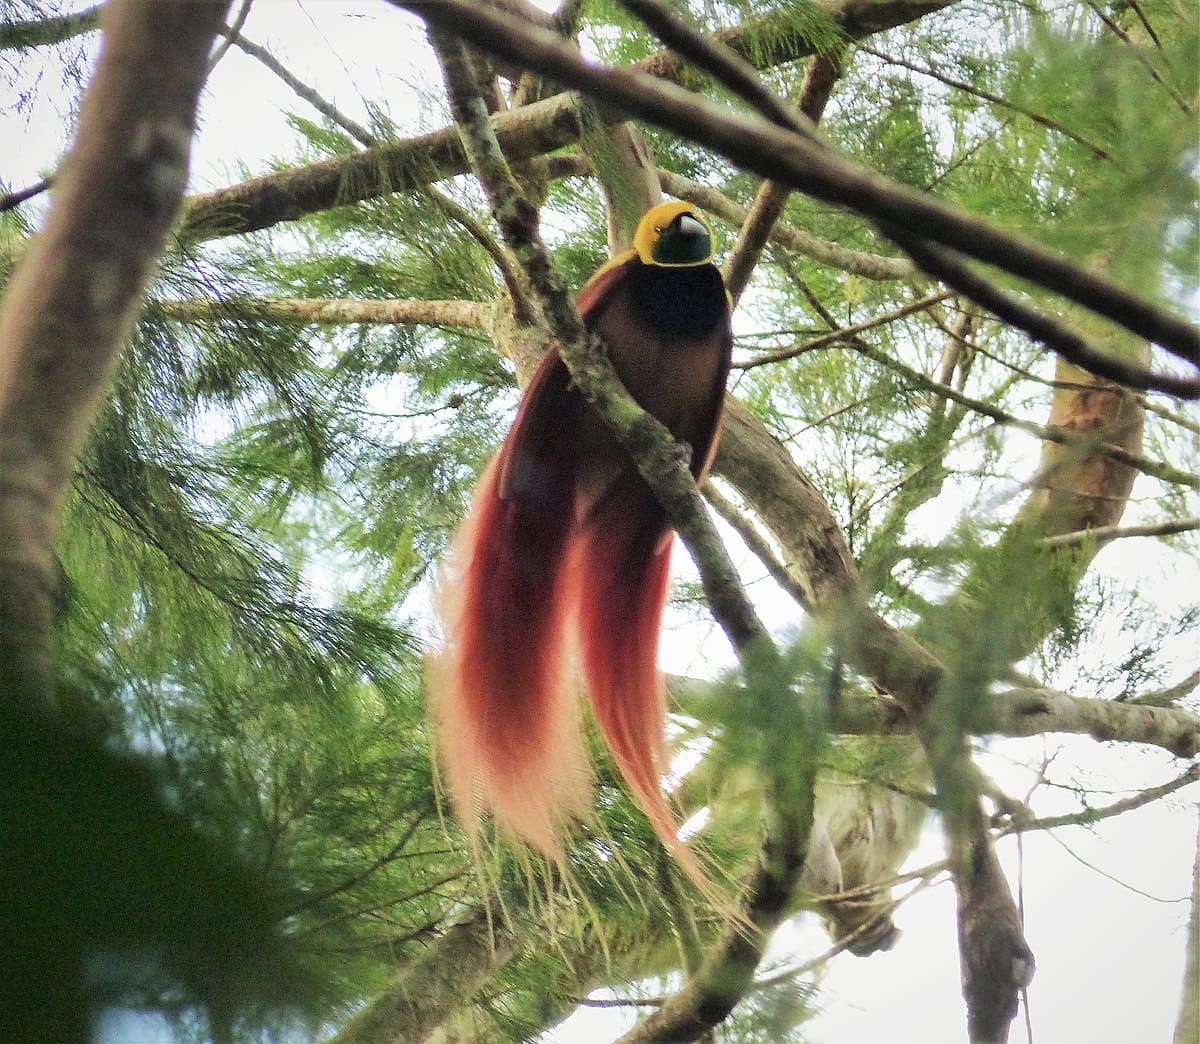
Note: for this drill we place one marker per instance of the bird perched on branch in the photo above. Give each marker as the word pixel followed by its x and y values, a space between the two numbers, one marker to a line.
pixel 563 559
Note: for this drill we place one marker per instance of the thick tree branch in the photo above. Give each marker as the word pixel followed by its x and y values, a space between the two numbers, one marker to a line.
pixel 71 301
pixel 11 200
pixel 1187 1027
pixel 1015 713
pixel 1030 712
pixel 393 167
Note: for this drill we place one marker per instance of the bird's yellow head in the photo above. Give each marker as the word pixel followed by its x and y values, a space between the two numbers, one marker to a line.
pixel 673 235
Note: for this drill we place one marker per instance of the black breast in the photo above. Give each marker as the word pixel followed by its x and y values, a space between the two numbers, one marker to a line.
pixel 689 300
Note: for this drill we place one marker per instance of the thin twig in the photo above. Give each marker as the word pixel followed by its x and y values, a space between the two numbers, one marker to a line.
pixel 11 200
pixel 1089 816
pixel 1050 433
pixel 951 268
pixel 230 33
pixel 845 333
pixel 988 96
pixel 1106 534
pixel 1136 51
pixel 755 541
pixel 352 127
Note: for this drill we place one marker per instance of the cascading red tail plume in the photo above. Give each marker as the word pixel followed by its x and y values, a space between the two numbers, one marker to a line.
pixel 501 689
pixel 623 561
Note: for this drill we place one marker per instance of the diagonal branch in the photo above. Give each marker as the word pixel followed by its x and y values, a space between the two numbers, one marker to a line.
pixel 1111 24
pixel 950 267
pixel 233 36
pixel 1088 441
pixel 845 333
pixel 988 96
pixel 11 200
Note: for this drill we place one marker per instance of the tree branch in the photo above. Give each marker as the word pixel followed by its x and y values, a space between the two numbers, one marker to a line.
pixel 393 167
pixel 11 200
pixel 988 96
pixel 43 32
pixel 823 72
pixel 1111 24
pixel 428 989
pixel 1106 534
pixel 1015 713
pixel 1187 1027
pixel 352 127
pixel 71 302
pixel 1089 816
pixel 951 269
pixel 470 315
pixel 846 333
pixel 529 131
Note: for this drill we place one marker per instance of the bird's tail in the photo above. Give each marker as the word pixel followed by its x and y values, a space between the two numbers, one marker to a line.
pixel 507 719
pixel 622 560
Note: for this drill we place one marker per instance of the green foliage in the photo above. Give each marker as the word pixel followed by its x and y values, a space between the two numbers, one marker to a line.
pixel 888 128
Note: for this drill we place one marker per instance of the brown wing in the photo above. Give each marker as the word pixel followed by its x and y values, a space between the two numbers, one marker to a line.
pixel 596 290
pixel 543 445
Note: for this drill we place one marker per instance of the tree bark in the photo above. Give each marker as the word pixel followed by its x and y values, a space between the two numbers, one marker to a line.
pixel 429 989
pixel 72 299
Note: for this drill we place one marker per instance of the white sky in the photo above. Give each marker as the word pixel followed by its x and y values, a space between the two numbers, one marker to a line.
pixel 1106 908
